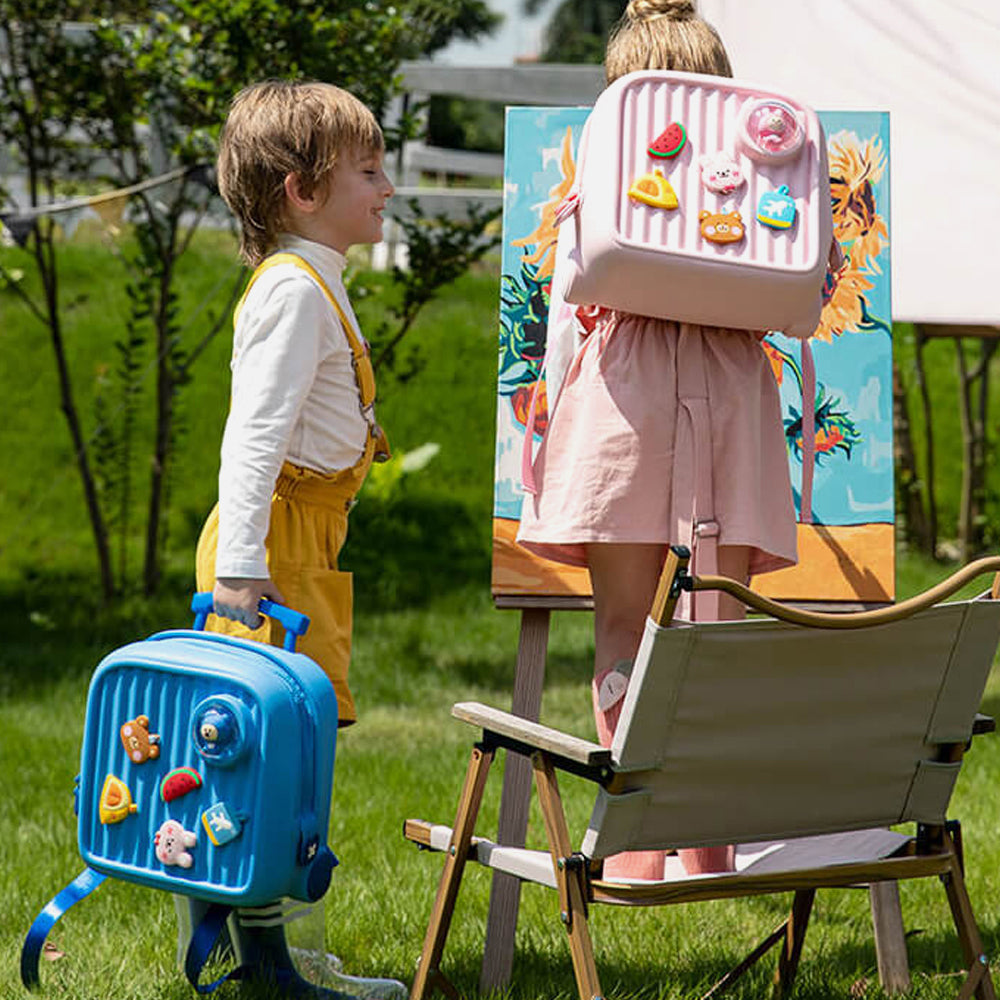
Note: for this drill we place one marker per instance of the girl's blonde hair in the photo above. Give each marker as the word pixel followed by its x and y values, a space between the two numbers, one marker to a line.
pixel 279 127
pixel 664 34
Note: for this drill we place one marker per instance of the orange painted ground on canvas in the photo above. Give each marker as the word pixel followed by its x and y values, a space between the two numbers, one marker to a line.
pixel 836 563
pixel 516 572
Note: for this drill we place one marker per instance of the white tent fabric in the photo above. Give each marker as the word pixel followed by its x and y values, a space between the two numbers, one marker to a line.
pixel 935 66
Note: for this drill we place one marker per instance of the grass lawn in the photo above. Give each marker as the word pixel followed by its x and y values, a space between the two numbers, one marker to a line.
pixel 426 635
pixel 406 758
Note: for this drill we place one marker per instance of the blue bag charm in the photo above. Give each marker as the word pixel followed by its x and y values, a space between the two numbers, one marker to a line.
pixel 776 208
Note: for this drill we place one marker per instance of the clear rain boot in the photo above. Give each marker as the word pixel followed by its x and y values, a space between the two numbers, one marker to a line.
pixel 305 969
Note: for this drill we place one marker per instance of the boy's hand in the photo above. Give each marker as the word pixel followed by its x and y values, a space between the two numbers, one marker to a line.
pixel 238 598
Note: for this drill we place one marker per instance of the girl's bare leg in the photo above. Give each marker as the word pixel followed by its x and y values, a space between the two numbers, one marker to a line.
pixel 624 579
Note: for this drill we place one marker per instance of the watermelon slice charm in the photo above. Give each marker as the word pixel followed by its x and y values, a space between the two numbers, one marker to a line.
pixel 669 142
pixel 178 782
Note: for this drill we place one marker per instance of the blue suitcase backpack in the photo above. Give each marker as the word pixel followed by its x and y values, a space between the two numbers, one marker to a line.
pixel 206 770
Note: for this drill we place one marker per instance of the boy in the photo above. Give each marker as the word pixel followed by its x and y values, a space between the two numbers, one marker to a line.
pixel 300 166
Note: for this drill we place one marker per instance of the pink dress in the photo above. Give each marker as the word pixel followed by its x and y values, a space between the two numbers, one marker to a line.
pixel 618 461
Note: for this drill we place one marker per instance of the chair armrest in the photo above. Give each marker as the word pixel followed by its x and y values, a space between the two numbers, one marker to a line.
pixel 532 734
pixel 840 620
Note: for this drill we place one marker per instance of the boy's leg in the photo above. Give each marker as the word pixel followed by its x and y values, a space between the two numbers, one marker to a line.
pixel 307 946
pixel 262 946
pixel 189 914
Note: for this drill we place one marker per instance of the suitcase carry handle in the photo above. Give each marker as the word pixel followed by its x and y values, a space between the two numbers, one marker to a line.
pixel 295 623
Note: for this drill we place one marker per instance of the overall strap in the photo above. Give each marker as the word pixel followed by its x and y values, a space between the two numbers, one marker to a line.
pixel 80 888
pixel 353 337
pixel 364 376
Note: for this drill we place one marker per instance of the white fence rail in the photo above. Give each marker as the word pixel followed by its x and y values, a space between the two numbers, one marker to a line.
pixel 421 171
pixel 538 83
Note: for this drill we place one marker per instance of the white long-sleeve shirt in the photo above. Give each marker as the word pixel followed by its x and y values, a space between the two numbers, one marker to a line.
pixel 294 397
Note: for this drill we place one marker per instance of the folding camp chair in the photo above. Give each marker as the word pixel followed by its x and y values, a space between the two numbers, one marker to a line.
pixel 802 747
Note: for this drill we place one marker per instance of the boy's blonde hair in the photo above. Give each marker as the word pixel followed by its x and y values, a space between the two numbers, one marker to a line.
pixel 664 34
pixel 279 127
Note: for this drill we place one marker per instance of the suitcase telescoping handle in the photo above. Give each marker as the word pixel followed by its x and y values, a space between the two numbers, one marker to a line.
pixel 295 623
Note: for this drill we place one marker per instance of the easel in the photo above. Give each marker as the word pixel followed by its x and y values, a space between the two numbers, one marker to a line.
pixel 505 893
pixel 526 701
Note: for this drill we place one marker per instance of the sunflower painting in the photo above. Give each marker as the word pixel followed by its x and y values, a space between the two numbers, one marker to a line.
pixel 524 306
pixel 846 552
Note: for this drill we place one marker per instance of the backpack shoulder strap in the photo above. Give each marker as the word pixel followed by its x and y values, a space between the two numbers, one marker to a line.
pixel 203 939
pixel 570 204
pixel 80 888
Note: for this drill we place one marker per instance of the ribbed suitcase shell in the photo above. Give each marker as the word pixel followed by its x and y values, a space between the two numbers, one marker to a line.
pixel 620 253
pixel 279 779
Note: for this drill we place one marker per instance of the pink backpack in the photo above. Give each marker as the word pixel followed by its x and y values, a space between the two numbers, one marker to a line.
pixel 700 199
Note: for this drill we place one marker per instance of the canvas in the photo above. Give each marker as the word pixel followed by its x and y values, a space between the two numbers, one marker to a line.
pixel 846 536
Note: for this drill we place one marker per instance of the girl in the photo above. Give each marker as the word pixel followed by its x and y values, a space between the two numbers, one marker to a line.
pixel 606 469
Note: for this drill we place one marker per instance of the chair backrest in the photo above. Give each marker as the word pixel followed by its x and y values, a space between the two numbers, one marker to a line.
pixel 757 730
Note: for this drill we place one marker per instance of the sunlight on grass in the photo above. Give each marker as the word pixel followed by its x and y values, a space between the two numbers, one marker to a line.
pixel 406 757
pixel 426 635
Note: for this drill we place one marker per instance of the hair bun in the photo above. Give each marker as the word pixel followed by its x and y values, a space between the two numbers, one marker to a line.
pixel 650 10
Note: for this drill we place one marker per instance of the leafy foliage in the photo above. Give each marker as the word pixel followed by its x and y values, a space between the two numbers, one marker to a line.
pixel 129 91
pixel 440 250
pixel 465 123
pixel 577 31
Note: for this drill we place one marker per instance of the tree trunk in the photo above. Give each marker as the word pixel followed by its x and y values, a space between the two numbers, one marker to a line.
pixel 165 384
pixel 965 413
pixel 971 528
pixel 930 493
pixel 45 258
pixel 916 527
pixel 977 508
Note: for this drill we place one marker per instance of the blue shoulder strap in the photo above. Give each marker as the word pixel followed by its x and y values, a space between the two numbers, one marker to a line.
pixel 203 939
pixel 80 888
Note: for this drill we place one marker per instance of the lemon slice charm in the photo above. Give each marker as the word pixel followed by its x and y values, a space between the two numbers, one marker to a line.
pixel 116 801
pixel 653 189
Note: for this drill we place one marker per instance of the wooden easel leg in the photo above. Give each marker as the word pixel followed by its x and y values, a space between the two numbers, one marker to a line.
pixel 428 974
pixel 890 937
pixel 980 981
pixel 505 895
pixel 795 935
pixel 570 878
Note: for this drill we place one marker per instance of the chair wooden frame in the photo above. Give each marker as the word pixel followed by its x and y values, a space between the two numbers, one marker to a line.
pixel 935 850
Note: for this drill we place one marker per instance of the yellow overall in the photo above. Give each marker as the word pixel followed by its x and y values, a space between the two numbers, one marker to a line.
pixel 308 527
